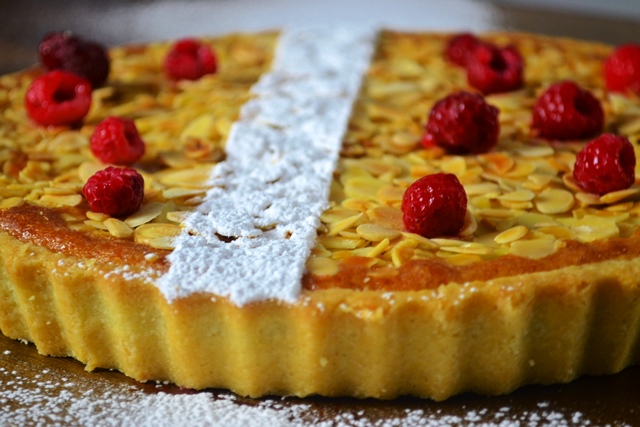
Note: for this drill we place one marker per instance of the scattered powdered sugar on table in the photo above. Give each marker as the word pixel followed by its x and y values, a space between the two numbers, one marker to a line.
pixel 55 397
pixel 54 404
pixel 251 236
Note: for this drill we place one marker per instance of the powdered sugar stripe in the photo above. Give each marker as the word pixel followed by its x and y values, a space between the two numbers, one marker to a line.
pixel 251 236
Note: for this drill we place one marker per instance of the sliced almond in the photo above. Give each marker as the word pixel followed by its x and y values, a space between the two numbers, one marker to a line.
pixel 177 192
pixel 147 213
pixel 344 224
pixel 617 196
pixel 482 188
pixel 518 196
pixel 363 188
pixel 196 176
pixel 337 242
pixel 178 216
pixel 97 216
pixel 554 201
pixel 378 249
pixel 454 164
pixel 390 194
pixel 468 248
pixel 60 200
pixel 499 163
pixel 321 266
pixel 534 249
pixel 522 169
pixel 158 236
pixel 540 150
pixel 376 233
pixel 11 202
pixel 590 228
pixel 87 169
pixel 511 235
pixel 387 216
pixel 118 228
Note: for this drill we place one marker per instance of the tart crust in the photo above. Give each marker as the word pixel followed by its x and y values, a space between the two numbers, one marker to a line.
pixel 488 337
pixel 428 328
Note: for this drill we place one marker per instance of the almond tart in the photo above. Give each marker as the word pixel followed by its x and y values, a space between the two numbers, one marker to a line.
pixel 540 285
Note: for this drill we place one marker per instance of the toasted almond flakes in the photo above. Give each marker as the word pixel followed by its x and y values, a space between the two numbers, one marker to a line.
pixel 511 235
pixel 383 142
pixel 376 233
pixel 554 201
pixel 118 228
pixel 535 249
pixel 518 196
pixel 620 195
pixel 321 266
pixel 159 236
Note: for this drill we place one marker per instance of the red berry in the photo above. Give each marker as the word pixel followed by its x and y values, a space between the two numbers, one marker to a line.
pixel 58 98
pixel 460 48
pixel 565 111
pixel 605 164
pixel 463 123
pixel 117 192
pixel 435 205
pixel 64 51
pixel 190 59
pixel 622 69
pixel 116 140
pixel 494 70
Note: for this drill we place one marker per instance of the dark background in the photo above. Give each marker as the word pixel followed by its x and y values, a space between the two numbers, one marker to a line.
pixel 24 22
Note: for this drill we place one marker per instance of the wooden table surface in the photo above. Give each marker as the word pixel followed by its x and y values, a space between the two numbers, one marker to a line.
pixel 38 390
pixel 28 379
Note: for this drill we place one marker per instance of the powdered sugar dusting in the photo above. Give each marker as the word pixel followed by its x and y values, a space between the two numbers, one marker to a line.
pixel 252 234
pixel 35 391
pixel 47 399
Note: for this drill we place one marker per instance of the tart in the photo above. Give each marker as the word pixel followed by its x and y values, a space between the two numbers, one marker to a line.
pixel 206 286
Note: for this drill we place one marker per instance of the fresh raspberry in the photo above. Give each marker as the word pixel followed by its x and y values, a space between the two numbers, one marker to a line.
pixel 622 69
pixel 189 59
pixel 58 98
pixel 116 140
pixel 435 205
pixel 462 123
pixel 460 48
pixel 64 51
pixel 491 69
pixel 117 192
pixel 605 164
pixel 565 111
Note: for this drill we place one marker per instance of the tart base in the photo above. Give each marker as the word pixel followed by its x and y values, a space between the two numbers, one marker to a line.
pixel 485 337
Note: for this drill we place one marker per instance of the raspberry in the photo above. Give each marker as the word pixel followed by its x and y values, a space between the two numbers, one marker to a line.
pixel 605 164
pixel 116 140
pixel 565 111
pixel 58 98
pixel 435 205
pixel 462 123
pixel 622 69
pixel 117 192
pixel 64 51
pixel 494 70
pixel 460 48
pixel 190 59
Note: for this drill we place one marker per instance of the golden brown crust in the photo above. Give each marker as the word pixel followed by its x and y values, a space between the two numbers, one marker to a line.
pixel 47 228
pixel 431 273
